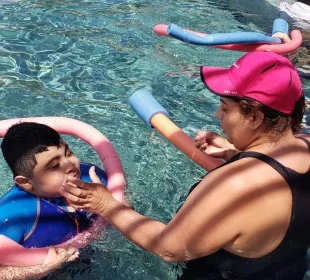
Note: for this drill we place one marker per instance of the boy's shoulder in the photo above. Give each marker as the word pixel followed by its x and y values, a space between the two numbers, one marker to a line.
pixel 17 204
pixel 18 198
pixel 18 211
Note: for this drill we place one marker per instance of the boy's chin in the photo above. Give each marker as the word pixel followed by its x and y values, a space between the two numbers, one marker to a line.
pixel 57 195
pixel 51 195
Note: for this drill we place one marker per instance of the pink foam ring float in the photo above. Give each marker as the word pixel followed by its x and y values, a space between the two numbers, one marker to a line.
pixel 296 40
pixel 18 255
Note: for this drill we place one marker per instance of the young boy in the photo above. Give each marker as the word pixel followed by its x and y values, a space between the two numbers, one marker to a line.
pixel 32 212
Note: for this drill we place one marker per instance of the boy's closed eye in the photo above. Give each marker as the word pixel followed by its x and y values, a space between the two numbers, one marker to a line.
pixel 55 165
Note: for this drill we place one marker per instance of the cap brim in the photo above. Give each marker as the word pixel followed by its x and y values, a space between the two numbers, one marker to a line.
pixel 217 81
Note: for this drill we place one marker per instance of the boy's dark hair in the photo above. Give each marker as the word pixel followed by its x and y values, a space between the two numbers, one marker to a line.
pixel 23 141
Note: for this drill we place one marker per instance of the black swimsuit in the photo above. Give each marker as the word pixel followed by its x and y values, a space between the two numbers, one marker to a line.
pixel 288 261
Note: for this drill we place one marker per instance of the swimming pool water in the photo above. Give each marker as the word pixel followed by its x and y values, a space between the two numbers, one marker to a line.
pixel 83 59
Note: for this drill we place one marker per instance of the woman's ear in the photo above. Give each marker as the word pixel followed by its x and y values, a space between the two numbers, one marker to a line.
pixel 256 119
pixel 24 182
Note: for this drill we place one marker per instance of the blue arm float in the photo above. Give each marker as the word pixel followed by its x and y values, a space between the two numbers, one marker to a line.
pixel 146 106
pixel 220 38
pixel 280 25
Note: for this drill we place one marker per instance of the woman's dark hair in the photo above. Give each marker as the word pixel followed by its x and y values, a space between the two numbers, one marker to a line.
pixel 23 141
pixel 274 120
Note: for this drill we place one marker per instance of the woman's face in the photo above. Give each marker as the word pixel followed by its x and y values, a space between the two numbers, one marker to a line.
pixel 233 123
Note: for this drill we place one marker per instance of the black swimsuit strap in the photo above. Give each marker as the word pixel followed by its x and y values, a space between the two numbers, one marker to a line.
pixel 284 171
pixel 306 141
pixel 267 159
pixel 270 161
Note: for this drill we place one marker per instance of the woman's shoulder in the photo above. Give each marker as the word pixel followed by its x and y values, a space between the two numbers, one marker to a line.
pixel 244 173
pixel 250 173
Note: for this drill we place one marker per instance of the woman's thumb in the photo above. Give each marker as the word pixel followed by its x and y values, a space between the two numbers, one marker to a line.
pixel 93 176
pixel 215 152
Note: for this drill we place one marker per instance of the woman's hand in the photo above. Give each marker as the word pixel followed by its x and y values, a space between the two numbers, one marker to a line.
pixel 58 256
pixel 284 37
pixel 92 197
pixel 214 145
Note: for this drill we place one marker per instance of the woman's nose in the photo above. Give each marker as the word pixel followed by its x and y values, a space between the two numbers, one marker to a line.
pixel 218 113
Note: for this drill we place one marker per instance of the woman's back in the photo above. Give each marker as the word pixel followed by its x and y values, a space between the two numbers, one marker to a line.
pixel 271 209
pixel 271 197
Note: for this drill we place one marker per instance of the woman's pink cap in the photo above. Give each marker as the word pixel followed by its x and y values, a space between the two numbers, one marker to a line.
pixel 266 77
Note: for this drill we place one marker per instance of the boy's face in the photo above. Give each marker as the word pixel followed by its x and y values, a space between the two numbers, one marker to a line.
pixel 52 170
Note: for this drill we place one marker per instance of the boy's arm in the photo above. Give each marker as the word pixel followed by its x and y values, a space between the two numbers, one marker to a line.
pixel 12 253
pixel 12 228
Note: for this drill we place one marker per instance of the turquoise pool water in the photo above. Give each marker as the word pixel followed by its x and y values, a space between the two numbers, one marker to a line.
pixel 83 59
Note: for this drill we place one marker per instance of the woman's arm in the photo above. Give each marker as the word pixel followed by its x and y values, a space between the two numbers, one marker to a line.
pixel 198 229
pixel 24 273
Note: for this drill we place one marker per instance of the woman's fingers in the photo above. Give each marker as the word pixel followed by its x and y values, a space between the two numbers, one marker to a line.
pixel 72 199
pixel 73 254
pixel 73 257
pixel 200 143
pixel 62 256
pixel 65 255
pixel 74 195
pixel 206 136
pixel 77 182
pixel 84 195
pixel 284 37
pixel 74 190
pixel 93 176
pixel 200 134
pixel 213 151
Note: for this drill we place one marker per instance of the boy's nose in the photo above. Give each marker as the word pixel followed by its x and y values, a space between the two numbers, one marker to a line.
pixel 70 167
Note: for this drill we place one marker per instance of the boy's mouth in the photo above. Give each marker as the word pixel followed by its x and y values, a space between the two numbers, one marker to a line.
pixel 77 174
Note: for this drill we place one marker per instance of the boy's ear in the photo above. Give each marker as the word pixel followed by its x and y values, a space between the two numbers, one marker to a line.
pixel 24 183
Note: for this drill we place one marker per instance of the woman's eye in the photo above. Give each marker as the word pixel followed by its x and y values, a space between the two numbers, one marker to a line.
pixel 69 153
pixel 224 109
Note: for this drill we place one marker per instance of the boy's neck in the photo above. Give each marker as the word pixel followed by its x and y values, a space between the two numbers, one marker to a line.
pixel 63 204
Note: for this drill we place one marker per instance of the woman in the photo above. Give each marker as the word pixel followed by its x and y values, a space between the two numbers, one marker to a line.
pixel 248 218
